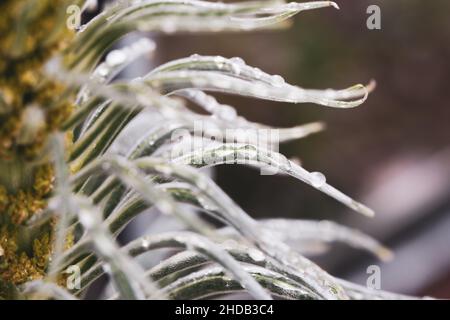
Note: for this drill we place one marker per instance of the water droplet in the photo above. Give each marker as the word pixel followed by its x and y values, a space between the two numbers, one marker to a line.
pixel 257 73
pixel 102 70
pixel 144 44
pixel 226 112
pixel 115 58
pixel 107 268
pixel 210 103
pixel 91 5
pixel 145 243
pixel 238 61
pixel 194 56
pixel 277 80
pixel 169 26
pixel 87 219
pixel 318 179
pixel 256 255
pixel 220 62
pixel 294 6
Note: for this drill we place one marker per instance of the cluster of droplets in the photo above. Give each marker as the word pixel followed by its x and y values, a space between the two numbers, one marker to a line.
pixel 237 64
pixel 210 104
pixel 216 73
pixel 238 67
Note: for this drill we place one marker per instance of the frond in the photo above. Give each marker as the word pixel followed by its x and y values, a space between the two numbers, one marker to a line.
pixel 99 191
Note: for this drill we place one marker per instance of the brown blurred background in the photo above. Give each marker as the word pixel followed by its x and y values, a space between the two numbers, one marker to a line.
pixel 393 153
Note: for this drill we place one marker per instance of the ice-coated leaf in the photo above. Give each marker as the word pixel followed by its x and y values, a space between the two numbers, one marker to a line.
pixel 170 16
pixel 127 274
pixel 236 217
pixel 219 74
pixel 300 231
pixel 252 155
pixel 65 207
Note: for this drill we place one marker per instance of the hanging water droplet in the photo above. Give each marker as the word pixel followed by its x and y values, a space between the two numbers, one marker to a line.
pixel 317 179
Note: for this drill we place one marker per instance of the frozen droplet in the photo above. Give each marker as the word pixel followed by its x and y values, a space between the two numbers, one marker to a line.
pixel 277 80
pixel 165 207
pixel 106 267
pixel 318 179
pixel 169 26
pixel 210 102
pixel 295 6
pixel 219 59
pixel 87 219
pixel 226 112
pixel 238 61
pixel 102 70
pixel 144 44
pixel 257 73
pixel 91 5
pixel 256 255
pixel 199 95
pixel 145 243
pixel 115 58
pixel 194 56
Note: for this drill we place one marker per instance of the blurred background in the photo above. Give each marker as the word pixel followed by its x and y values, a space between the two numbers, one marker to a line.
pixel 392 153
